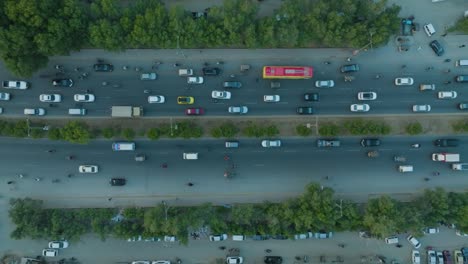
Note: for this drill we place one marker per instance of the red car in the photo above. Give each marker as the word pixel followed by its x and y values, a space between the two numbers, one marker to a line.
pixel 194 111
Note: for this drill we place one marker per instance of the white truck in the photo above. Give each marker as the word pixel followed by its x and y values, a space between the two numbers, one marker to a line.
pixel 127 111
pixel 185 72
pixel 446 157
pixel 15 85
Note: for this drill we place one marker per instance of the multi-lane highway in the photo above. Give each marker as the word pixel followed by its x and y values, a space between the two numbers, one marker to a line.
pixel 257 173
pixel 336 100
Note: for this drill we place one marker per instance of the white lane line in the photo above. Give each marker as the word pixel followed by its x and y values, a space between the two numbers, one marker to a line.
pixel 259 165
pixel 290 151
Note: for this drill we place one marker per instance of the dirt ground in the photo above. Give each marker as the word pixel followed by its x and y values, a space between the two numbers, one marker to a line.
pixel 432 125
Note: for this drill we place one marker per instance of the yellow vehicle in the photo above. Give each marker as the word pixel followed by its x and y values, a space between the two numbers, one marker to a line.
pixel 185 100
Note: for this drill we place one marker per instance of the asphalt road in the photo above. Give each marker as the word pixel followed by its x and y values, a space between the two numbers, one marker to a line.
pixel 258 173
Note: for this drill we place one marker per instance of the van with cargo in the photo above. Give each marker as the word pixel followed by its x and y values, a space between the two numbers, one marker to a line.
pixel 190 156
pixel 405 168
pixel 123 146
pixel 459 63
pixel 429 29
pixel 77 111
pixel 446 157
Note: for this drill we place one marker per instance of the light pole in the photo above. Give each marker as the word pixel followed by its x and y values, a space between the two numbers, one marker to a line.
pixel 166 208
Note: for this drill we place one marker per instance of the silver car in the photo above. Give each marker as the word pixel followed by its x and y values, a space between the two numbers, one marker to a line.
pixel 271 143
pixel 421 108
pixel 238 109
pixel 324 84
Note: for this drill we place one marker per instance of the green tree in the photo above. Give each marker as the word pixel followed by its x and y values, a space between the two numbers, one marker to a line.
pixel 434 206
pixel 329 130
pixel 254 130
pixel 227 130
pixel 128 133
pixel 303 130
pixel 414 128
pixel 108 132
pixel 76 132
pixel 271 131
pixel 54 134
pixel 382 217
pixel 153 133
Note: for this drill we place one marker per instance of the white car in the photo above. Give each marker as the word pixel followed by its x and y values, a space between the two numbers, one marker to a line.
pixel 21 85
pixel 359 108
pixel 447 95
pixel 404 81
pixel 194 80
pixel 5 96
pixel 156 99
pixel 160 262
pixel 218 237
pixel 325 83
pixel 170 239
pixel 88 169
pixel 413 241
pixel 221 95
pixel 460 233
pixel 271 143
pixel 274 98
pixel 421 108
pixel 49 252
pixel 431 257
pixel 366 96
pixel 415 257
pixel 34 111
pixel 58 244
pixel 141 262
pixel 234 260
pixel 431 230
pixel 440 257
pixel 238 109
pixel 150 76
pixel 50 98
pixel 84 98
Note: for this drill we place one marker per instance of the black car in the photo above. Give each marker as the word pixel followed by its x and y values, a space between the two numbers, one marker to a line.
pixel 349 68
pixel 62 82
pixel 461 78
pixel 279 237
pixel 232 84
pixel 211 71
pixel 273 260
pixel 446 142
pixel 118 181
pixel 370 142
pixel 103 67
pixel 260 237
pixel 463 106
pixel 305 110
pixel 437 47
pixel 314 97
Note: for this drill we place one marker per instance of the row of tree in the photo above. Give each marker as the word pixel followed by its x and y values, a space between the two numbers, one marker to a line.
pixel 30 32
pixel 316 210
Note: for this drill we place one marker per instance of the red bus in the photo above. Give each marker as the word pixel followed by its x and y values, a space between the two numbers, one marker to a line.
pixel 287 72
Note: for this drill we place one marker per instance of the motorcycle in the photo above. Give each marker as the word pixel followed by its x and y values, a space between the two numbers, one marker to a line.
pixel 70 157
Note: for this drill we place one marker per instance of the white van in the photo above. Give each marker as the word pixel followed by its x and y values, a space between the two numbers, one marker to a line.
pixel 190 156
pixel 391 240
pixel 405 168
pixel 430 30
pixel 77 111
pixel 123 146
pixel 461 63
pixel 238 237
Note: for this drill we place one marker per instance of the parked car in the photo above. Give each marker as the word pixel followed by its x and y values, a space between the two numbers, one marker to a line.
pixel 84 98
pixel 421 108
pixel 359 108
pixel 5 96
pixel 457 255
pixel 311 97
pixel 447 257
pixel 234 260
pixel 229 84
pixel 437 47
pixel 170 239
pixel 194 80
pixel 431 257
pixel 185 100
pixel 50 252
pixel 324 84
pixel 431 230
pixel 34 111
pixel 50 98
pixel 367 96
pixel 349 68
pixel 404 81
pixel 323 235
pixel 160 262
pixel 88 169
pixel 103 67
pixel 440 257
pixel 211 71
pixel 194 111
pixel 274 98
pixel 415 257
pixel 303 236
pixel 221 95
pixel 370 142
pixel 271 143
pixel 273 260
pixel 220 237
pixel 62 82
pixel 238 109
pixel 59 244
pixel 447 95
pixel 413 241
pixel 305 110
pixel 118 181
pixel 156 99
pixel 446 142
